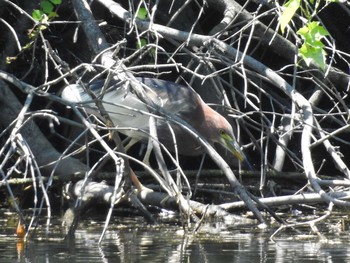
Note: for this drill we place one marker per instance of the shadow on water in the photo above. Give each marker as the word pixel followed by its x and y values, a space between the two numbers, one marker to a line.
pixel 130 239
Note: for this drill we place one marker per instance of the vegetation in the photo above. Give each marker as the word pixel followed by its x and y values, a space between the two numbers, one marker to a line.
pixel 279 72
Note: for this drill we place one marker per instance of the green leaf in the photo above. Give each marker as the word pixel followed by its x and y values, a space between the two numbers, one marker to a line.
pixel 141 43
pixel 53 15
pixel 46 6
pixel 303 31
pixel 312 48
pixel 56 2
pixel 317 31
pixel 37 14
pixel 290 8
pixel 312 54
pixel 313 33
pixel 142 13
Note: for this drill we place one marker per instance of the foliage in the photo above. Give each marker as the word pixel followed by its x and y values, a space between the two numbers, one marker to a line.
pixel 312 49
pixel 312 33
pixel 42 16
pixel 290 8
pixel 47 10
pixel 142 14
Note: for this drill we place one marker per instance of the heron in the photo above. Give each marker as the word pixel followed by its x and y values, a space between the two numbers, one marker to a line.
pixel 126 109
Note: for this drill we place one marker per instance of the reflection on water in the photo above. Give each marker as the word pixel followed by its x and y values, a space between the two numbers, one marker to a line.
pixel 132 240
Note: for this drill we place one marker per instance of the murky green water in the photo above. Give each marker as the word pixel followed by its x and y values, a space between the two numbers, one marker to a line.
pixel 131 239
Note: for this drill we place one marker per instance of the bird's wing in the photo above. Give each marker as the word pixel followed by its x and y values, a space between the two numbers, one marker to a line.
pixel 126 108
pixel 75 93
pixel 172 97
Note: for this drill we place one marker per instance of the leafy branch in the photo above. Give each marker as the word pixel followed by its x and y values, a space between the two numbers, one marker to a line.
pixel 42 16
pixel 312 33
pixel 47 10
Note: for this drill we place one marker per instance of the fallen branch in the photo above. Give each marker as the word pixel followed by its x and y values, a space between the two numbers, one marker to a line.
pixel 307 198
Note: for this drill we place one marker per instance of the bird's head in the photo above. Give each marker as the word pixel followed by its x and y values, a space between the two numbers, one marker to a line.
pixel 220 131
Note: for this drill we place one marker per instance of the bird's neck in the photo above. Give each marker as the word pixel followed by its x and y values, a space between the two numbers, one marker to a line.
pixel 208 126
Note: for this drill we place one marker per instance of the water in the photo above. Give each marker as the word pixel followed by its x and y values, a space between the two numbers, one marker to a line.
pixel 131 239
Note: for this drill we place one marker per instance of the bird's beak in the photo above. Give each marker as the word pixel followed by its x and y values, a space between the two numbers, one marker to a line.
pixel 232 146
pixel 230 143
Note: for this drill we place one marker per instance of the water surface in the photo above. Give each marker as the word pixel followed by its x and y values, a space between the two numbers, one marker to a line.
pixel 131 239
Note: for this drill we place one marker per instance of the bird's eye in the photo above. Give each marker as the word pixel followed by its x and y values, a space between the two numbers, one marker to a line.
pixel 222 132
